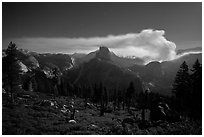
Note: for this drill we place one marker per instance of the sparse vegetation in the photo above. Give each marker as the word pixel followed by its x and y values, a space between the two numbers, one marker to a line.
pixel 29 118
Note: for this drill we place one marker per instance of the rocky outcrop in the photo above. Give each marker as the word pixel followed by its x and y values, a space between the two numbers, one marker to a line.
pixel 103 53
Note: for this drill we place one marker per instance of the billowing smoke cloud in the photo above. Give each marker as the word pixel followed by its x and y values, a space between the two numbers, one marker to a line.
pixel 148 44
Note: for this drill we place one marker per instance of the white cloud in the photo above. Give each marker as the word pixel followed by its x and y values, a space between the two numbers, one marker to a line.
pixel 187 53
pixel 148 43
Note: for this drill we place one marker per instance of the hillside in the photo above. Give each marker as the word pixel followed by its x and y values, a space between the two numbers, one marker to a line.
pixel 30 116
pixel 162 75
pixel 103 69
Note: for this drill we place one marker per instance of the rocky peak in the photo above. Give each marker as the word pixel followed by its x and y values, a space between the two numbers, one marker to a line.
pixel 103 53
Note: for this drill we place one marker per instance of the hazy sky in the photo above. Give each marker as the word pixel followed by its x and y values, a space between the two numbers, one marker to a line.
pixel 71 27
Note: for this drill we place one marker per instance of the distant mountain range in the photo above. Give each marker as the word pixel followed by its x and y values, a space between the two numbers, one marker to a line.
pixel 104 53
pixel 160 76
pixel 196 49
pixel 104 66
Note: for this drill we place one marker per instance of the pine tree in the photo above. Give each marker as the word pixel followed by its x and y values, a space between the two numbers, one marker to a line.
pixel 86 94
pixel 55 80
pixel 105 97
pixel 115 96
pixel 196 98
pixel 129 93
pixel 13 69
pixel 95 94
pixel 182 87
pixel 119 99
pixel 101 90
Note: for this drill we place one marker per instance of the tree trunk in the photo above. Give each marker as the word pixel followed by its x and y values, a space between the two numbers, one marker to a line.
pixel 85 102
pixel 143 114
pixel 73 115
pixel 102 110
pixel 11 90
pixel 123 105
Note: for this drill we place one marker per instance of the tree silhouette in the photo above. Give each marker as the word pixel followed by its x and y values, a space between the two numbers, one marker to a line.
pixel 196 98
pixel 129 93
pixel 95 94
pixel 115 97
pixel 105 94
pixel 102 99
pixel 56 81
pixel 86 94
pixel 13 69
pixel 182 87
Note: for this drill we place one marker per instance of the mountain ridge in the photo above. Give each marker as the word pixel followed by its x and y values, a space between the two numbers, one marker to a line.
pixel 104 66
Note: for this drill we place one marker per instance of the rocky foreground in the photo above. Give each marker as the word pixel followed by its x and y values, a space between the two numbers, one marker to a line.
pixel 37 113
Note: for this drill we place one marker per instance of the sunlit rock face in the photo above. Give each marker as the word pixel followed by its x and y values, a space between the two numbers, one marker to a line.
pixel 103 53
pixel 23 67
